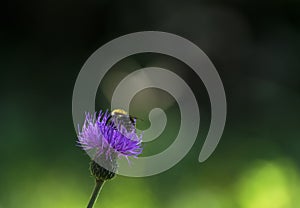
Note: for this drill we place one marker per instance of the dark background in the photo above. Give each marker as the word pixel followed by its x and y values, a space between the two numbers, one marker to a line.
pixel 255 48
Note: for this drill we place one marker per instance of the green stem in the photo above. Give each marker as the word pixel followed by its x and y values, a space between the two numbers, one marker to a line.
pixel 97 189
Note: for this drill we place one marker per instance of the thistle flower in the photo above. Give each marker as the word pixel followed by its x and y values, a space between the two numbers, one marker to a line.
pixel 105 138
pixel 102 135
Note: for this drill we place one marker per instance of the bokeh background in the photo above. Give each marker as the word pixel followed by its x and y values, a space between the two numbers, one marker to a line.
pixel 255 48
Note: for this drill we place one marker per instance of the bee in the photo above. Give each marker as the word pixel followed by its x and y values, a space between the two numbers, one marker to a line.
pixel 120 116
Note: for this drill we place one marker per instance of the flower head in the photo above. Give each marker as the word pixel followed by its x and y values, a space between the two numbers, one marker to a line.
pixel 107 138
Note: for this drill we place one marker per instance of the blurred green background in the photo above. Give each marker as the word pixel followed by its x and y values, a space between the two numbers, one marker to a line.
pixel 255 48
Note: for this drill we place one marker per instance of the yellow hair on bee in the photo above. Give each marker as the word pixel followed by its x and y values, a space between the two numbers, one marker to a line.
pixel 119 112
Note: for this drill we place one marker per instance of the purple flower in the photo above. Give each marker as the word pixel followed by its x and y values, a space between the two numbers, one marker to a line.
pixel 106 139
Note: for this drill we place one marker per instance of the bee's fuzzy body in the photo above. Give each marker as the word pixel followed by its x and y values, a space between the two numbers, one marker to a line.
pixel 120 116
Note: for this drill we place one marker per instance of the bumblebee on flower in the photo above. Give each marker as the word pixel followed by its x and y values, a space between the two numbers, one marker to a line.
pixel 106 137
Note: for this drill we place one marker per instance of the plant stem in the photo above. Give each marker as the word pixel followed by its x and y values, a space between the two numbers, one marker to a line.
pixel 97 189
